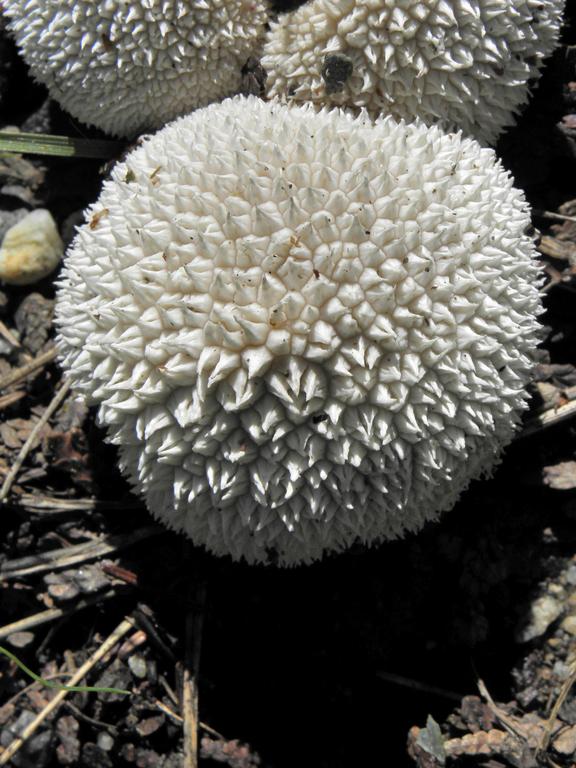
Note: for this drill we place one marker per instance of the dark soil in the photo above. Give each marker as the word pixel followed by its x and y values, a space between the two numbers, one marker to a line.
pixel 327 666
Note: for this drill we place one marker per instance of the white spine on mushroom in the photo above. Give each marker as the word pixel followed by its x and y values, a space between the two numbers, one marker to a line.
pixel 128 66
pixel 302 329
pixel 465 63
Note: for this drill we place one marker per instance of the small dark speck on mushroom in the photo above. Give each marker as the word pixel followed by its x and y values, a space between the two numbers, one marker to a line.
pixel 253 77
pixel 107 43
pixel 336 69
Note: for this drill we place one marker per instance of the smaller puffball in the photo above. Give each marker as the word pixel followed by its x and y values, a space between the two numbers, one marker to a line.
pixel 467 65
pixel 131 67
pixel 31 249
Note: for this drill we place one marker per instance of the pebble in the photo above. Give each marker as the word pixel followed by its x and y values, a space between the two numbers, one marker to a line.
pixel 150 725
pixel 569 624
pixel 94 756
pixel 9 218
pixel 543 612
pixel 565 743
pixel 33 320
pixel 549 393
pixel 105 741
pixel 561 670
pixel 31 249
pixel 20 639
pixel 137 666
pixel 570 576
pixel 35 752
pixel 90 579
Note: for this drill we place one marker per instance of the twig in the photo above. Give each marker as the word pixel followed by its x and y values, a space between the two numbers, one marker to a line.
pixel 26 370
pixel 179 720
pixel 551 721
pixel 122 629
pixel 502 716
pixel 43 617
pixel 91 720
pixel 147 625
pixel 120 574
pixel 167 711
pixel 554 216
pixel 194 622
pixel 407 682
pixel 51 505
pixel 9 336
pixel 167 687
pixel 556 249
pixel 211 731
pixel 548 419
pixel 11 398
pixel 56 559
pixel 42 421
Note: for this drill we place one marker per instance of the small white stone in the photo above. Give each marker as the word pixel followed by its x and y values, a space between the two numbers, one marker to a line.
pixel 543 612
pixel 569 624
pixel 31 249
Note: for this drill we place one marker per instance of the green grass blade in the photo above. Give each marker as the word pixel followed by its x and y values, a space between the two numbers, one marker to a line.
pixel 61 146
pixel 58 686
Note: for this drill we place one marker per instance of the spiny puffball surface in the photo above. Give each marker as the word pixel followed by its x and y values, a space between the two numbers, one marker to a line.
pixel 465 63
pixel 302 329
pixel 128 66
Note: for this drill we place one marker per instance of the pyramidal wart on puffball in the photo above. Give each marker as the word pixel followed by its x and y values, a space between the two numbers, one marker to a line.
pixel 302 329
pixel 128 66
pixel 467 64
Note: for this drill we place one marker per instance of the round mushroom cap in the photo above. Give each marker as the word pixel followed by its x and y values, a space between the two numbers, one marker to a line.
pixel 128 66
pixel 302 329
pixel 468 65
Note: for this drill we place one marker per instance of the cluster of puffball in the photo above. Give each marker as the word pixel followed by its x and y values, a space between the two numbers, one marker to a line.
pixel 129 66
pixel 303 325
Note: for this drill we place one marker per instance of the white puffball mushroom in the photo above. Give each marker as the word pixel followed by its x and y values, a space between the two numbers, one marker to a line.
pixel 467 64
pixel 128 66
pixel 302 329
pixel 31 249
